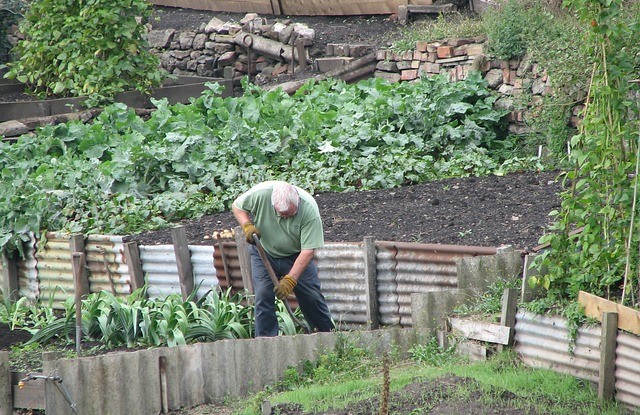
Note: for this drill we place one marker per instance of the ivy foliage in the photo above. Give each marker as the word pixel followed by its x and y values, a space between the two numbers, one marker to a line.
pixel 122 174
pixel 594 241
pixel 92 48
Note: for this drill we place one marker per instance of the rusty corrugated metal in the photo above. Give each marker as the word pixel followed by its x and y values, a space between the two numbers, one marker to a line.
pixel 234 279
pixel 404 268
pixel 543 341
pixel 628 369
pixel 161 270
pixel 107 270
pixel 341 274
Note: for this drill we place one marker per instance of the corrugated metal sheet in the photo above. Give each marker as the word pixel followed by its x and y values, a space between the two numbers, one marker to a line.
pixel 341 274
pixel 406 268
pixel 28 274
pixel 161 270
pixel 234 279
pixel 628 369
pixel 204 272
pixel 543 341
pixel 107 270
pixel 55 274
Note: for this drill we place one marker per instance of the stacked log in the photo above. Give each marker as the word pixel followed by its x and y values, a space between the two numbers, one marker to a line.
pixel 232 50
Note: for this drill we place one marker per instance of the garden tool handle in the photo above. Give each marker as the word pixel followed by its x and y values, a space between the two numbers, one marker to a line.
pixel 276 283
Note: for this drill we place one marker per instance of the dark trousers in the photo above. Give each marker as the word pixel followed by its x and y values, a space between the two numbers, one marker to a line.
pixel 312 303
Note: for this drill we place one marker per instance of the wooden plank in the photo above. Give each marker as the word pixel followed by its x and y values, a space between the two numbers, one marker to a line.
pixel 6 402
pixel 607 374
pixel 340 7
pixel 236 6
pixel 478 330
pixel 76 245
pixel 132 257
pixel 594 306
pixel 31 396
pixel 371 283
pixel 183 260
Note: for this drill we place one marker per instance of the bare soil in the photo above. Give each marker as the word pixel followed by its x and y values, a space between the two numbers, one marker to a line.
pixel 479 211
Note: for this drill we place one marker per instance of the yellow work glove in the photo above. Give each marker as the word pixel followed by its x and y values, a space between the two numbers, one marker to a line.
pixel 249 229
pixel 287 284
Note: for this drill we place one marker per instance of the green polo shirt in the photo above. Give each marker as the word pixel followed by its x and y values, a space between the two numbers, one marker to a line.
pixel 282 237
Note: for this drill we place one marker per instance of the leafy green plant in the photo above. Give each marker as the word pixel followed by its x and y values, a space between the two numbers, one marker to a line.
pixel 505 27
pixel 430 353
pixel 85 48
pixel 122 174
pixel 139 321
pixel 489 303
pixel 600 205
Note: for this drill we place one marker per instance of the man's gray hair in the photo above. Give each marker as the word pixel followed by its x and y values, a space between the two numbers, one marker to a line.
pixel 283 196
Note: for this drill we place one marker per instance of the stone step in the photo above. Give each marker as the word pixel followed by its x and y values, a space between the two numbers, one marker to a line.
pixel 330 63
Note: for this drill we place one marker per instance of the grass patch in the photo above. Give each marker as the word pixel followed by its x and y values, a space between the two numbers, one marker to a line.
pixel 453 25
pixel 500 381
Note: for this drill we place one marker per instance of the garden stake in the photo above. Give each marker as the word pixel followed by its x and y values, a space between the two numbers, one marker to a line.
pixel 276 283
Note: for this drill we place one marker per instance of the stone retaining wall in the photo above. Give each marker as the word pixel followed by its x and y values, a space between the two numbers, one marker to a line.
pixel 513 80
pixel 214 50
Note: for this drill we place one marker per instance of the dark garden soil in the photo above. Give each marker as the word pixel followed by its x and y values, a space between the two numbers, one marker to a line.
pixel 481 211
pixel 10 337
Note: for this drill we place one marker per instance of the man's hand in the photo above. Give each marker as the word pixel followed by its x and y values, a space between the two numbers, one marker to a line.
pixel 287 284
pixel 249 229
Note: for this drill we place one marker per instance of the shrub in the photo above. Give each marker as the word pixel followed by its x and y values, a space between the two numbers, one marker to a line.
pixel 85 48
pixel 505 27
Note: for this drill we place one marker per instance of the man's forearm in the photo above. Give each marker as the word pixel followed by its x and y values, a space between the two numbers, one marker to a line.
pixel 241 216
pixel 305 257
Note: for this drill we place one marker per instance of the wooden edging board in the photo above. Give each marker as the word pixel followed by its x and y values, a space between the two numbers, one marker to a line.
pixel 176 91
pixel 478 330
pixel 594 306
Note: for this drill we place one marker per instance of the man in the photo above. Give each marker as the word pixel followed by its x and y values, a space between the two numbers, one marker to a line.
pixel 287 220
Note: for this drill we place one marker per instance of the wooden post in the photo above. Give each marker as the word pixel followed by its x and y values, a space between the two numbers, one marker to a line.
pixel 77 264
pixel 607 375
pixel 509 310
pixel 302 54
pixel 164 389
pixel 76 244
pixel 132 256
pixel 371 282
pixel 6 397
pixel 52 395
pixel 245 260
pixel 10 276
pixel 403 14
pixel 183 259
